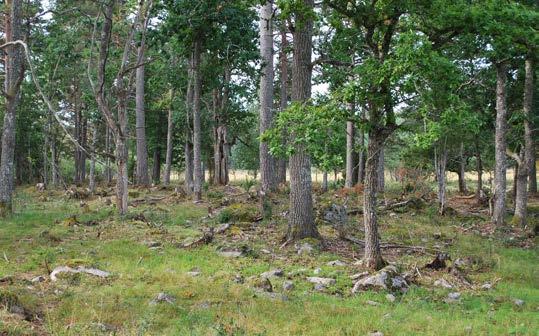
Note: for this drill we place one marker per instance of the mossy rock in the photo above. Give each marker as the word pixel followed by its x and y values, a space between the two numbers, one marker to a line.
pixel 239 212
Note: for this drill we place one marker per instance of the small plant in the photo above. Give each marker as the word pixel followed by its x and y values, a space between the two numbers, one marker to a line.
pixel 248 183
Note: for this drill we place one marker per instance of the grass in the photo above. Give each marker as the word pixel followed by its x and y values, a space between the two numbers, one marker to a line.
pixel 38 236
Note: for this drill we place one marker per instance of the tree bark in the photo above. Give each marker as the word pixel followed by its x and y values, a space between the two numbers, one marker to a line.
pixel 14 71
pixel 500 182
pixel 91 184
pixel 324 181
pixel 381 172
pixel 267 162
pixel 462 170
pixel 188 146
pixel 197 136
pixel 142 177
pixel 479 169
pixel 527 159
pixel 221 144
pixel 441 168
pixel 350 134
pixel 283 58
pixel 170 129
pixel 301 220
pixel 156 170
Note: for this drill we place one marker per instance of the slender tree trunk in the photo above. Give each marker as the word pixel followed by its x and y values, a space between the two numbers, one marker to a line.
pixel 441 168
pixel 188 146
pixel 350 134
pixel 532 188
pixel 197 136
pixel 122 154
pixel 301 220
pixel 479 169
pixel 54 164
pixel 156 171
pixel 325 181
pixel 108 169
pixel 361 161
pixel 462 170
pixel 500 183
pixel 170 129
pixel 143 179
pixel 14 70
pixel 91 184
pixel 221 144
pixel 283 58
pixel 527 159
pixel 267 162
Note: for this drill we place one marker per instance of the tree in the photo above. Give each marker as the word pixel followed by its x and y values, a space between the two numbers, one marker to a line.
pixel 14 74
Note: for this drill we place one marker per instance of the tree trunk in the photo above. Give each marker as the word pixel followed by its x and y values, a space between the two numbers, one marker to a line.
pixel 108 169
pixel 142 177
pixel 373 256
pixel 197 136
pixel 267 162
pixel 14 70
pixel 462 170
pixel 349 181
pixel 500 183
pixel 532 188
pixel 441 168
pixel 527 159
pixel 156 170
pixel 170 129
pixel 381 172
pixel 479 169
pixel 122 154
pixel 188 146
pixel 325 181
pixel 301 220
pixel 283 58
pixel 91 184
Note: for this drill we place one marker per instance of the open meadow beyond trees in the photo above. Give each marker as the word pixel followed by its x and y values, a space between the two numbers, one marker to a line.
pixel 269 167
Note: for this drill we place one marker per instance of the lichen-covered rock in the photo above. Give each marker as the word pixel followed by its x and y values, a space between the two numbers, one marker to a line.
pixel 387 278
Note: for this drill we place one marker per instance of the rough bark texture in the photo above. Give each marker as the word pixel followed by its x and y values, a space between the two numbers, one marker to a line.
pixel 325 181
pixel 221 146
pixel 440 172
pixel 301 220
pixel 381 173
pixel 91 184
pixel 170 129
pixel 188 146
pixel 532 188
pixel 14 69
pixel 527 157
pixel 350 134
pixel 479 169
pixel 197 136
pixel 373 256
pixel 142 176
pixel 283 59
pixel 361 159
pixel 498 213
pixel 156 170
pixel 267 162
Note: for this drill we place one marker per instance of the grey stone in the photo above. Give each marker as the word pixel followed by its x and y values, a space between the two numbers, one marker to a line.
pixel 288 285
pixel 317 271
pixel 322 281
pixel 194 273
pixel 442 283
pixel 376 333
pixel 163 297
pixel 306 249
pixel 453 297
pixel 272 273
pixel 372 303
pixel 358 276
pixel 486 286
pixel 391 298
pixel 387 279
pixel 336 263
pixel 319 287
pixel 37 279
pixel 518 302
pixel 231 254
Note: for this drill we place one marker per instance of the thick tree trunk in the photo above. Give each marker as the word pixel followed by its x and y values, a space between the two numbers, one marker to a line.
pixel 197 136
pixel 527 159
pixel 381 172
pixel 301 220
pixel 283 59
pixel 188 154
pixel 142 177
pixel 500 183
pixel 14 70
pixel 156 170
pixel 350 134
pixel 462 170
pixel 170 129
pixel 441 168
pixel 373 256
pixel 267 162
pixel 533 173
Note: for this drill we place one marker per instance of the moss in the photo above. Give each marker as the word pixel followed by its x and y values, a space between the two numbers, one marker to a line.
pixel 239 212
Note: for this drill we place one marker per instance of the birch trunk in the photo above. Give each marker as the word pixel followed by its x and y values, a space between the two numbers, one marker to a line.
pixel 500 182
pixel 197 136
pixel 170 129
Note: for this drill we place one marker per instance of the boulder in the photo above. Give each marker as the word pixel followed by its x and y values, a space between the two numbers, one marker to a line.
pixel 163 297
pixel 336 263
pixel 387 278
pixel 321 281
pixel 272 273
pixel 443 283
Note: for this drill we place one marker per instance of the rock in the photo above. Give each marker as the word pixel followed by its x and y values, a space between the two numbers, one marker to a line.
pixel 163 297
pixel 437 235
pixel 288 285
pixel 386 279
pixel 152 244
pixel 238 278
pixel 273 273
pixel 358 276
pixel 453 297
pixel 359 262
pixel 486 286
pixel 393 215
pixel 376 333
pixel 442 283
pixel 317 271
pixel 231 254
pixel 322 281
pixel 40 187
pixel 391 298
pixel 306 249
pixel 37 279
pixel 80 269
pixel 319 287
pixel 194 273
pixel 264 284
pixel 336 263
pixel 372 303
pixel 518 302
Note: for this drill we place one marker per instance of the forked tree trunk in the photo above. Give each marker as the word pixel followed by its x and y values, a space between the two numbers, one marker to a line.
pixel 142 177
pixel 267 162
pixel 500 182
pixel 197 136
pixel 14 70
pixel 527 159
pixel 373 257
pixel 170 129
pixel 301 220
pixel 350 134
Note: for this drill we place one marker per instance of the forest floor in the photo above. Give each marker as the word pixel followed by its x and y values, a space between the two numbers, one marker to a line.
pixel 163 280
